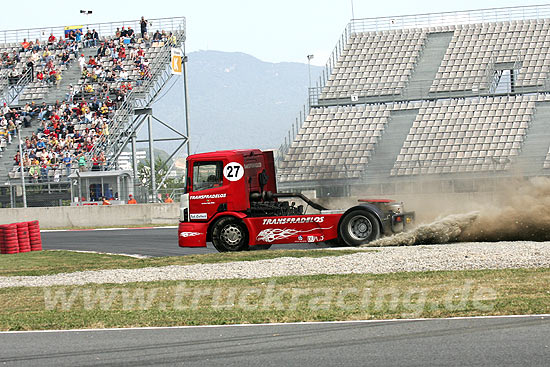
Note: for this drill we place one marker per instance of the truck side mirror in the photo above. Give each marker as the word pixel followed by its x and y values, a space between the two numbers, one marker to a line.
pixel 263 179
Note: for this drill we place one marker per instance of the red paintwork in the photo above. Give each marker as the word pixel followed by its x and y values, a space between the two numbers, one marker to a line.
pixel 270 230
pixel 204 204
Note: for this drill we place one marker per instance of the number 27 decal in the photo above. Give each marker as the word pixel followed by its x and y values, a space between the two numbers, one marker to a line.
pixel 233 171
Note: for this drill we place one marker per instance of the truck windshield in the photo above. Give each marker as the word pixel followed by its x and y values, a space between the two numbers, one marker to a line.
pixel 207 175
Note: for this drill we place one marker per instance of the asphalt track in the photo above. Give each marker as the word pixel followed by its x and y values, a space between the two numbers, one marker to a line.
pixel 502 341
pixel 148 242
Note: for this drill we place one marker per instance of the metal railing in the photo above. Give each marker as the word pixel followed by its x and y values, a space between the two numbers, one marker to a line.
pixel 11 92
pixel 103 29
pixel 450 18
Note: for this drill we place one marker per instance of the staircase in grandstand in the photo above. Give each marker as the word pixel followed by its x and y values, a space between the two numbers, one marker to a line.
pixel 125 123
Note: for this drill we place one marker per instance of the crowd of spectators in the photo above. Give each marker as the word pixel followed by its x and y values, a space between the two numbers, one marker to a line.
pixel 69 129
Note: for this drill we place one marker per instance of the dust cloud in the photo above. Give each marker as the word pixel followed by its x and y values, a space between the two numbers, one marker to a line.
pixel 519 210
pixel 444 230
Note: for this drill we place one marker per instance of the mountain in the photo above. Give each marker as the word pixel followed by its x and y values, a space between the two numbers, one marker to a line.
pixel 235 100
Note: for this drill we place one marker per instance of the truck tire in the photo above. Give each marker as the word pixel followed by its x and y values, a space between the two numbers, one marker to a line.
pixel 230 234
pixel 358 227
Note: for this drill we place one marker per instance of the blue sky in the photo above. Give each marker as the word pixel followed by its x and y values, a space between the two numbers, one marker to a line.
pixel 275 31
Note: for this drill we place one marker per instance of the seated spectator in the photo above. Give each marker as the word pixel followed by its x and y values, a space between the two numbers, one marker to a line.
pixel 78 36
pixel 51 39
pixel 92 62
pixel 101 50
pixel 123 76
pixel 172 40
pixel 37 46
pixel 95 37
pixel 46 56
pixel 34 170
pixel 88 38
pixel 44 169
pixel 67 161
pixel 122 53
pixel 25 45
pixel 65 58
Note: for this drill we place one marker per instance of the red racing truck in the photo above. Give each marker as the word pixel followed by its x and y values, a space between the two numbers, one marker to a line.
pixel 231 199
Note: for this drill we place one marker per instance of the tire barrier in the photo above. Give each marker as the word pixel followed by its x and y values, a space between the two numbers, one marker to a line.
pixel 34 236
pixel 2 247
pixel 20 237
pixel 10 240
pixel 23 237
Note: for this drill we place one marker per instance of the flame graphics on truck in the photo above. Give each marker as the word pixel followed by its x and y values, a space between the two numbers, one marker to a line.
pixel 274 234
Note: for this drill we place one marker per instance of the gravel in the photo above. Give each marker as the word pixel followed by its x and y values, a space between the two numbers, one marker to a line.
pixel 459 256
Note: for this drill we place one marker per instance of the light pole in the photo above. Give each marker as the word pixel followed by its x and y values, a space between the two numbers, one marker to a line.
pixel 87 13
pixel 309 57
pixel 22 167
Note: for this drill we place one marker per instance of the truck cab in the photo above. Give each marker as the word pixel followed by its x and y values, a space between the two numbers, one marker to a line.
pixel 223 182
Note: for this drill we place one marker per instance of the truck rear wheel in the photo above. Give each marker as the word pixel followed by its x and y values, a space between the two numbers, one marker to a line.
pixel 230 234
pixel 359 227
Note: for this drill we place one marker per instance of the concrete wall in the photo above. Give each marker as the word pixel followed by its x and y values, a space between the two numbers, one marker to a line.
pixel 94 216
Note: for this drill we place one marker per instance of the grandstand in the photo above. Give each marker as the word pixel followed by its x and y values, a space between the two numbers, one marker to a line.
pixel 447 97
pixel 69 106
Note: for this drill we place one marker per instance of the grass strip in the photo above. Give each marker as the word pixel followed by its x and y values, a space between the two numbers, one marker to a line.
pixel 284 299
pixel 59 261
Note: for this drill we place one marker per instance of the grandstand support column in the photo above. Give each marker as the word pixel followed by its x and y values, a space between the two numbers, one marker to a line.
pixel 186 101
pixel 22 167
pixel 152 159
pixel 134 158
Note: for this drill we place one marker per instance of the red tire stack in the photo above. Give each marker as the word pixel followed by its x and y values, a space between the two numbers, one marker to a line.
pixel 2 247
pixel 34 236
pixel 10 243
pixel 23 237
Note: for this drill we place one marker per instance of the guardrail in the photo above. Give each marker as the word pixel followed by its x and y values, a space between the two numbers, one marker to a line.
pixel 450 18
pixel 103 29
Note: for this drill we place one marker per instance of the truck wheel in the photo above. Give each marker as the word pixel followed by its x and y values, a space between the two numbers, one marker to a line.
pixel 230 234
pixel 359 227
